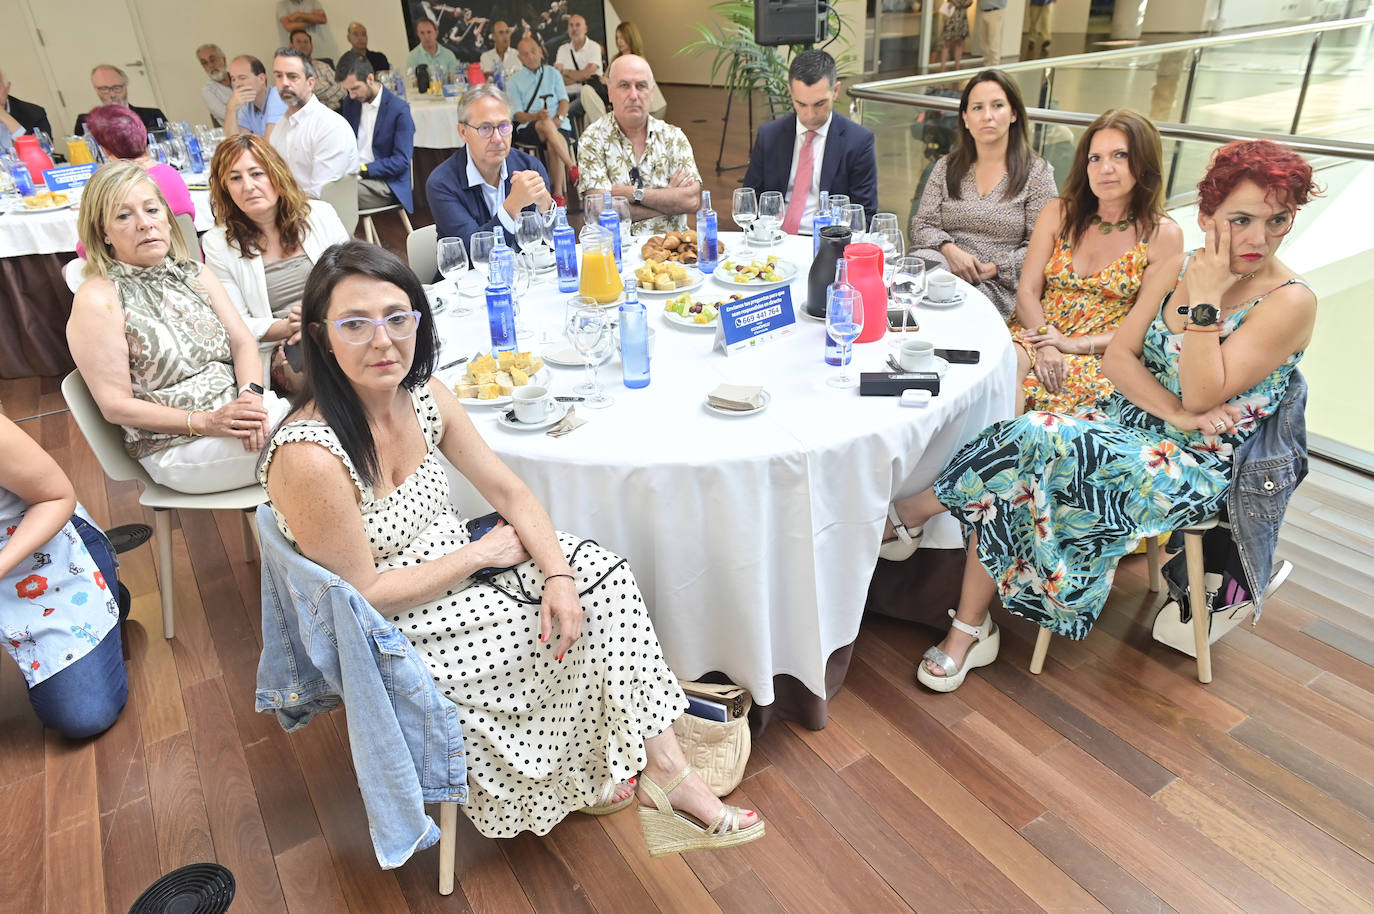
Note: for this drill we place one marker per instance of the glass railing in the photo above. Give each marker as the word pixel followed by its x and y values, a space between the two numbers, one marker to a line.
pixel 1203 94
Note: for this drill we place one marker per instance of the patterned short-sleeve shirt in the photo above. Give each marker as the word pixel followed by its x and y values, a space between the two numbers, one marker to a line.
pixel 607 155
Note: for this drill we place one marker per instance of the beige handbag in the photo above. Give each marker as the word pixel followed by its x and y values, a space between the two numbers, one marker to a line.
pixel 718 750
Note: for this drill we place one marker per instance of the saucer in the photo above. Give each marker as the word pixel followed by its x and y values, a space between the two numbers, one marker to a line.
pixel 941 366
pixel 958 299
pixel 732 413
pixel 753 241
pixel 555 416
pixel 568 357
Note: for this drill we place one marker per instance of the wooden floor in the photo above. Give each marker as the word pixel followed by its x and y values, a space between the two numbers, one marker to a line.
pixel 1111 782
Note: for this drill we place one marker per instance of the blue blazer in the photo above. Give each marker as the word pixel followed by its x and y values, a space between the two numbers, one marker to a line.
pixel 393 144
pixel 850 165
pixel 460 210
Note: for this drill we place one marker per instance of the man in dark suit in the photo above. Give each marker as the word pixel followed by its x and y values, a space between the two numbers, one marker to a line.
pixel 487 184
pixel 386 138
pixel 815 147
pixel 18 117
pixel 112 86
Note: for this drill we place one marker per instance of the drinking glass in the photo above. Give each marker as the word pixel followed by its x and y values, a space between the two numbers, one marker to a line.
pixel 531 238
pixel 770 212
pixel 480 245
pixel 838 202
pixel 886 233
pixel 591 205
pixel 853 215
pixel 521 277
pixel 453 263
pixel 908 289
pixel 621 205
pixel 745 207
pixel 589 329
pixel 844 321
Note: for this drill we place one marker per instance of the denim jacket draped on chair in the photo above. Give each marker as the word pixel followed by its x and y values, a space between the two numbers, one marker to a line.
pixel 322 643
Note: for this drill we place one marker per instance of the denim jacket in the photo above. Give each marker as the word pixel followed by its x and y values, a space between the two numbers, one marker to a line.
pixel 322 642
pixel 1268 467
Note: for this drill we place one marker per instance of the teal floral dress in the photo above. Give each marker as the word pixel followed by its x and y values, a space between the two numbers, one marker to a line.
pixel 1057 500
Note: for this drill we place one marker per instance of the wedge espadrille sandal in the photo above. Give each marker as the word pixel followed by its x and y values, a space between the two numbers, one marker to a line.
pixel 667 831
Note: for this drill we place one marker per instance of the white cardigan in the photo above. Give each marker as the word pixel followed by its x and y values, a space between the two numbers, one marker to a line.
pixel 245 278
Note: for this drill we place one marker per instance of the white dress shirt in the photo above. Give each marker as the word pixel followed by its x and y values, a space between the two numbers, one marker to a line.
pixel 495 196
pixel 317 144
pixel 216 96
pixel 367 122
pixel 589 53
pixel 509 64
pixel 813 193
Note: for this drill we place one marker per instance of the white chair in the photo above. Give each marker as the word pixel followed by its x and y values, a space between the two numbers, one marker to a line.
pixel 343 196
pixel 73 273
pixel 187 226
pixel 370 230
pixel 422 250
pixel 107 441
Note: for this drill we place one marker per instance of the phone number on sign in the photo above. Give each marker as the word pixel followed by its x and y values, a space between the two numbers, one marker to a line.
pixel 745 320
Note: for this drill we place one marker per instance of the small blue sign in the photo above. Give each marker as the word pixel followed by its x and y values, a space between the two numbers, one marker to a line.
pixel 756 319
pixel 68 177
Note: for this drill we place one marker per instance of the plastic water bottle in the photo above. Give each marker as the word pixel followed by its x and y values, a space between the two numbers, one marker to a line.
pixel 708 239
pixel 399 80
pixel 499 77
pixel 193 149
pixel 23 181
pixel 500 298
pixel 634 340
pixel 565 251
pixel 834 352
pixel 821 220
pixel 610 221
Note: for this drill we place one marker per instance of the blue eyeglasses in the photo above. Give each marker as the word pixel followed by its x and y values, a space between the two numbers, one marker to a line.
pixel 400 325
pixel 485 131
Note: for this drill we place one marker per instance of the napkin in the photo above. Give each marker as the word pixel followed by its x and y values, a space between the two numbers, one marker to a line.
pixel 740 397
pixel 566 424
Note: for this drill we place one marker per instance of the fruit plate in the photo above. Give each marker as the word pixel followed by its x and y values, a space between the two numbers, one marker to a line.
pixel 678 320
pixel 784 268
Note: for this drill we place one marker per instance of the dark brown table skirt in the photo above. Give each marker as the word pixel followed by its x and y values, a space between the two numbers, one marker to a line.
pixel 424 162
pixel 34 306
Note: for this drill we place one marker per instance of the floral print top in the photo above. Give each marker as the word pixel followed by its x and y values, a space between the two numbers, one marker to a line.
pixel 55 606
pixel 606 156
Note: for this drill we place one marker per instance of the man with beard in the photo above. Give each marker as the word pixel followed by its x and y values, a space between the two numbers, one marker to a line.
pixel 218 87
pixel 386 139
pixel 317 144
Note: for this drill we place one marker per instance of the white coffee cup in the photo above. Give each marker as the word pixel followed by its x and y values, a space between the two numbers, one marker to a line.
pixel 917 355
pixel 941 287
pixel 532 403
pixel 759 233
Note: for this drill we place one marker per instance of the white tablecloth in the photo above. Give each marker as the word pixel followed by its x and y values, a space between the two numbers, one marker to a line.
pixel 436 122
pixel 55 232
pixel 753 538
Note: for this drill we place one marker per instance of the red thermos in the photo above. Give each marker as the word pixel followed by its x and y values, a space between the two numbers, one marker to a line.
pixel 866 275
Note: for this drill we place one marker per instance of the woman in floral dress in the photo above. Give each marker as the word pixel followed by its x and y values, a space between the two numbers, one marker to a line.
pixel 1050 502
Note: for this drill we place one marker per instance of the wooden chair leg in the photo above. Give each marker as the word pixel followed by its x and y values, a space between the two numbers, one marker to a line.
pixel 1042 647
pixel 1197 599
pixel 162 520
pixel 448 848
pixel 405 219
pixel 1152 556
pixel 250 535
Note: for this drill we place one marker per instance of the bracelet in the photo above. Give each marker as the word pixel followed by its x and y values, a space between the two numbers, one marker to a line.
pixel 550 577
pixel 1191 329
pixel 189 428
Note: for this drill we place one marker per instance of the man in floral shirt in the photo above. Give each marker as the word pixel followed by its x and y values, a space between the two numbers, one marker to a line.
pixel 635 155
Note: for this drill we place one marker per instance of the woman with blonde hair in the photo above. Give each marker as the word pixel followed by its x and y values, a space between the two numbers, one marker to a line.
pixel 159 344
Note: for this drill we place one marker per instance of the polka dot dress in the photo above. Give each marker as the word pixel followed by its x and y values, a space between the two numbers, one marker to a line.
pixel 542 735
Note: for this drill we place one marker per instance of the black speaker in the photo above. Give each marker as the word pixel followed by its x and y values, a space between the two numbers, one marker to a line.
pixel 778 22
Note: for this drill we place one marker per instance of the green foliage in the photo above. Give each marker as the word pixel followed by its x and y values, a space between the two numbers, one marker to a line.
pixel 749 67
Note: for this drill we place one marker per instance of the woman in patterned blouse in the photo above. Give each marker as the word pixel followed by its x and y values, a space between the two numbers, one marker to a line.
pixel 162 349
pixel 981 201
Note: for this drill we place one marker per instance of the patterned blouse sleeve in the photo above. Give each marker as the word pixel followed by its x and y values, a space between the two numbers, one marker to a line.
pixel 928 226
pixel 1039 191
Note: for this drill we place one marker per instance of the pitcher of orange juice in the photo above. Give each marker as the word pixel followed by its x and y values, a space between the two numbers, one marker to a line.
pixel 78 153
pixel 600 279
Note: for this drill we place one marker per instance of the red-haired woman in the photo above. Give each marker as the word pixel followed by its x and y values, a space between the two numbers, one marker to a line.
pixel 1050 502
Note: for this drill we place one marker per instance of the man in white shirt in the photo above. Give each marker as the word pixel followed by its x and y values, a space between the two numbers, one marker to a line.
pixel 217 88
pixel 500 54
pixel 317 144
pixel 579 60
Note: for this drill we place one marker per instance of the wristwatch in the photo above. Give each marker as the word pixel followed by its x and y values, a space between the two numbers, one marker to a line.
pixel 1200 315
pixel 251 388
pixel 639 196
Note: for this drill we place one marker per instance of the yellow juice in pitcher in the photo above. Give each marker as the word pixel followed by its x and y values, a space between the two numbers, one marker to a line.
pixel 599 277
pixel 78 153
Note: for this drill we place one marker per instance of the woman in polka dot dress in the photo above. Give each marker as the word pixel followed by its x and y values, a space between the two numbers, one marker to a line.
pixel 554 664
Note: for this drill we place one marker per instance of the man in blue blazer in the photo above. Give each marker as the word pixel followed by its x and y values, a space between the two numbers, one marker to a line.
pixel 487 184
pixel 834 152
pixel 386 138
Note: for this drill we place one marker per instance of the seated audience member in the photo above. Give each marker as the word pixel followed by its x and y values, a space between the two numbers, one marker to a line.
pixel 112 87
pixel 317 144
pixel 1085 262
pixel 173 363
pixel 327 88
pixel 59 605
pixel 429 53
pixel 386 139
pixel 18 117
pixel 815 147
pixel 357 37
pixel 981 201
pixel 1049 503
pixel 255 107
pixel 486 183
pixel 579 62
pixel 309 16
pixel 121 135
pixel 218 87
pixel 267 236
pixel 500 55
pixel 635 155
pixel 554 725
pixel 539 107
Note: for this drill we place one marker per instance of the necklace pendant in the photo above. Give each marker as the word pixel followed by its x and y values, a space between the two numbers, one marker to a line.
pixel 1105 228
pixel 1123 225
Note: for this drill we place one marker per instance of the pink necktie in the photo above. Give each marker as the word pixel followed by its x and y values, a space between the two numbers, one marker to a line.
pixel 801 187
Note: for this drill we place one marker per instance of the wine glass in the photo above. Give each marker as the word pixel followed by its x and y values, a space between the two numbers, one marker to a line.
pixel 522 275
pixel 591 205
pixel 853 215
pixel 886 233
pixel 589 329
pixel 479 246
pixel 908 288
pixel 621 205
pixel 530 236
pixel 453 262
pixel 745 207
pixel 770 213
pixel 844 321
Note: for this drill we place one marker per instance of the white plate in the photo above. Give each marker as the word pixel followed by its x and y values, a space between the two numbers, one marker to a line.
pixel 785 268
pixel 734 413
pixel 954 302
pixel 21 208
pixel 555 416
pixel 941 366
pixel 678 320
pixel 568 357
pixel 697 278
pixel 541 377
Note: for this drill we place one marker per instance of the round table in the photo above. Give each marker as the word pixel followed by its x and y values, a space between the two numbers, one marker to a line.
pixel 753 538
pixel 436 122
